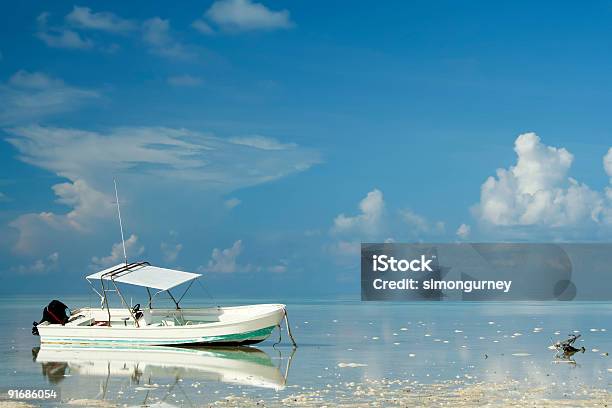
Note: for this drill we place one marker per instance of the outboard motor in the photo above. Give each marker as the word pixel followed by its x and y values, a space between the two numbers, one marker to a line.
pixel 55 313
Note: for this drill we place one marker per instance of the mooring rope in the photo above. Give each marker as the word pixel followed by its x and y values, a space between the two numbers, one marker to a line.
pixel 280 331
pixel 288 326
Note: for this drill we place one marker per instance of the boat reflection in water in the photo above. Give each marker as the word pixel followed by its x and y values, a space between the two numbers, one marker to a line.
pixel 123 373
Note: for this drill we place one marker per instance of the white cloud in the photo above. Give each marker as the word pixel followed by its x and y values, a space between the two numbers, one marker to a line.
pixel 170 251
pixel 88 206
pixel 346 248
pixel 607 161
pixel 246 15
pixel 281 267
pixel 262 142
pixel 368 222
pixel 232 203
pixel 185 80
pixel 32 95
pixel 132 247
pixel 225 261
pixel 156 34
pixel 148 160
pixel 419 224
pixel 163 153
pixel 64 38
pixel 83 17
pixel 86 202
pixel 537 190
pixel 463 231
pixel 40 266
pixel 60 37
pixel 202 26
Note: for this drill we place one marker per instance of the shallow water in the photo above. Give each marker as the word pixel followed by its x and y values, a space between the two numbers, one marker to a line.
pixel 340 342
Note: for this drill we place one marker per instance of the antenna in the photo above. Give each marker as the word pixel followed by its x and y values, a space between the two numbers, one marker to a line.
pixel 120 223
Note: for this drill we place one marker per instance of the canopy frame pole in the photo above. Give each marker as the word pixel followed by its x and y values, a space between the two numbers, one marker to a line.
pixel 124 303
pixel 174 300
pixel 106 301
pixel 150 298
pixel 186 290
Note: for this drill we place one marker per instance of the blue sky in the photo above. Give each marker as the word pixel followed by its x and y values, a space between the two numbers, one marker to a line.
pixel 259 143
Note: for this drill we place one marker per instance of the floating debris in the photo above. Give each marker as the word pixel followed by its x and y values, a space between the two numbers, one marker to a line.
pixel 565 349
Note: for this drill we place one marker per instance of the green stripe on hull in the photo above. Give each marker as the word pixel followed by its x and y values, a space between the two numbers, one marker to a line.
pixel 259 334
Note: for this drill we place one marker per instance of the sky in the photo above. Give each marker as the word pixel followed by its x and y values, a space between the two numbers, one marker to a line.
pixel 258 143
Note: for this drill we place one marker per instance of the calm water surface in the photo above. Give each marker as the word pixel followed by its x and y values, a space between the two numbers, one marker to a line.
pixel 339 341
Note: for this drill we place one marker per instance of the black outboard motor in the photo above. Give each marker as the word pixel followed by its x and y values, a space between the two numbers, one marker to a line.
pixel 55 313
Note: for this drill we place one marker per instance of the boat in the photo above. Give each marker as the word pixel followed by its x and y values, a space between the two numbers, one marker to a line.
pixel 152 326
pixel 149 326
pixel 149 365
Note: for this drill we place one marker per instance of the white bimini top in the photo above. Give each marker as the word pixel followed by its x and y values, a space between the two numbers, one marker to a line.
pixel 143 274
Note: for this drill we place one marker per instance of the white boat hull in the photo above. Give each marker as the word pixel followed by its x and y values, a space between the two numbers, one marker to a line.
pixel 238 325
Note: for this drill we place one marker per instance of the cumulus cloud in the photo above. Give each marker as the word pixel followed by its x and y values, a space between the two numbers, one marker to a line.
pixel 418 224
pixel 368 221
pixel 88 206
pixel 33 95
pixel 537 190
pixel 156 34
pixel 132 247
pixel 463 231
pixel 226 260
pixel 185 80
pixel 86 202
pixel 84 17
pixel 40 266
pixel 245 15
pixel 170 251
pixel 375 224
pixel 60 37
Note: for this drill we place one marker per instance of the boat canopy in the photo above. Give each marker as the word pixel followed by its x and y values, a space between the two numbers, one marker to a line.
pixel 143 274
